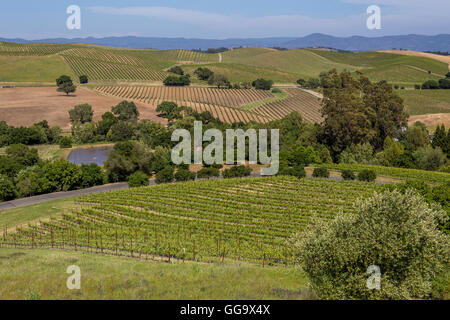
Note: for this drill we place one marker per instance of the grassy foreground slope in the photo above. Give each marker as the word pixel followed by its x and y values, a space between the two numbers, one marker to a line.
pixel 13 218
pixel 41 274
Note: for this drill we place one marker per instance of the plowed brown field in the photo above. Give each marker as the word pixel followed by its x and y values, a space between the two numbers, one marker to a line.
pixel 26 106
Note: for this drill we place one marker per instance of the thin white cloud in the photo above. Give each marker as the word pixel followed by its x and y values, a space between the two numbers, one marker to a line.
pixel 416 8
pixel 407 20
pixel 237 25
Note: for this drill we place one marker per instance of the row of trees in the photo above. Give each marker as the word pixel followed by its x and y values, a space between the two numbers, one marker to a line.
pixel 39 133
pixel 118 125
pixel 213 79
pixel 23 173
pixel 413 149
pixel 433 84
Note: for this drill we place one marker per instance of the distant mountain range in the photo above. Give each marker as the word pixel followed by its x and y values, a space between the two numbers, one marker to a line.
pixel 354 43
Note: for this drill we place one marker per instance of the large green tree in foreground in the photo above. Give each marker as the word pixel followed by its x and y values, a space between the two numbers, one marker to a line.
pixel 396 232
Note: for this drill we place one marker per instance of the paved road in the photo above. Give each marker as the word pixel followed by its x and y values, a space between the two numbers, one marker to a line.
pixel 60 195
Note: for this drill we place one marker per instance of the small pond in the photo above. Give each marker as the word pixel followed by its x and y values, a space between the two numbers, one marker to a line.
pixel 97 155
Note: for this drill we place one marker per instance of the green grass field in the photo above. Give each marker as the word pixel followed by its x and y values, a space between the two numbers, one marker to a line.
pixel 245 73
pixel 41 64
pixel 12 218
pixel 32 69
pixel 419 102
pixel 395 68
pixel 41 274
pixel 304 63
pixel 277 97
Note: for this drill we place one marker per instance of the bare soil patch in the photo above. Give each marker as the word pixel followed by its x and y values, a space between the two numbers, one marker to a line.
pixel 26 106
pixel 432 120
pixel 445 59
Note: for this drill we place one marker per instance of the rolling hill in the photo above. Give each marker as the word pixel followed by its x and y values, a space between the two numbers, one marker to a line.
pixel 355 43
pixel 42 63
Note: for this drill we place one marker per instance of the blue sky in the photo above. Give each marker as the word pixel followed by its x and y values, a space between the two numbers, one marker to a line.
pixel 221 19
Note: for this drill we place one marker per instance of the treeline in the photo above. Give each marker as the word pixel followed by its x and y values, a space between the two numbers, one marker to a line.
pixel 39 133
pixel 213 79
pixel 364 122
pixel 212 50
pixel 433 84
pixel 23 173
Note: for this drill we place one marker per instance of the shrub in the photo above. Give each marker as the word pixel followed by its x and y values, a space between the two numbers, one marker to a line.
pixel 206 173
pixel 444 83
pixel 121 131
pixel 313 83
pixel 184 175
pixel 165 175
pixel 203 73
pixel 301 156
pixel 237 172
pixel 218 80
pixel 28 182
pixel 367 175
pixel 177 81
pixel 126 111
pixel 7 189
pixel 301 82
pixel 61 175
pixel 297 171
pixel 81 113
pixel 84 79
pixel 409 249
pixel 84 132
pixel 177 70
pixel 92 175
pixel 430 84
pixel 126 158
pixel 357 154
pixel 23 155
pixel 321 173
pixel 262 84
pixel 138 179
pixel 348 175
pixel 277 90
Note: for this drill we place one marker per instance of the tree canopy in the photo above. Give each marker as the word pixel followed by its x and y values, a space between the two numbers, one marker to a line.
pixel 397 233
pixel 65 85
pixel 357 111
pixel 82 113
pixel 126 111
pixel 218 80
pixel 203 73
